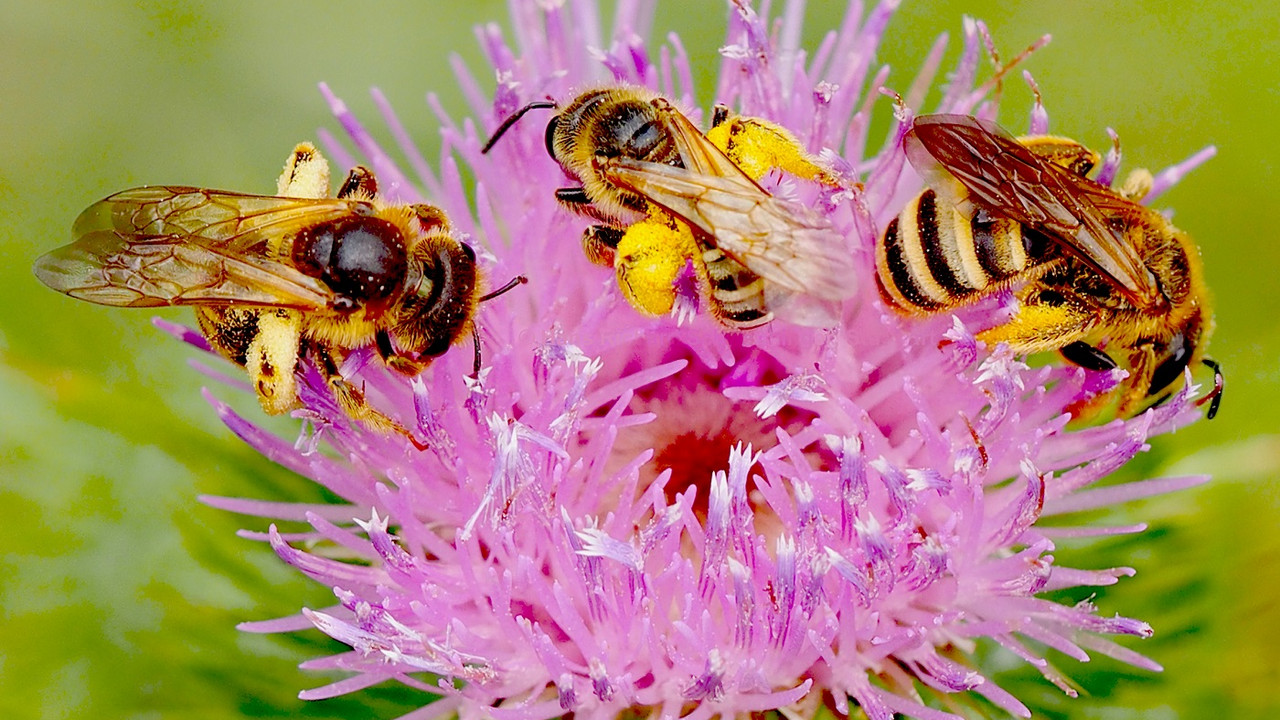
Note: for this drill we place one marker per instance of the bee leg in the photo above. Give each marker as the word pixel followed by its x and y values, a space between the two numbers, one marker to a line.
pixel 393 359
pixel 352 401
pixel 305 175
pixel 431 217
pixel 1049 321
pixel 271 357
pixel 1041 326
pixel 600 243
pixel 229 330
pixel 758 146
pixel 1135 390
pixel 359 185
pixel 650 257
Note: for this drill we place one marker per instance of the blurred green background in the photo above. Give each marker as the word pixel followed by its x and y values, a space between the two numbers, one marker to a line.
pixel 119 591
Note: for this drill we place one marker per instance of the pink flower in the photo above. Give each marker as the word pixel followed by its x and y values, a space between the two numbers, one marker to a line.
pixel 625 514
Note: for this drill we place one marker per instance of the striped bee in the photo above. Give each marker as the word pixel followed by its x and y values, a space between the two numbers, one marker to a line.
pixel 1097 275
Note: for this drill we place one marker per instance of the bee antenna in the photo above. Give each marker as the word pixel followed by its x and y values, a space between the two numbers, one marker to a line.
pixel 517 280
pixel 1214 398
pixel 1002 69
pixel 506 124
pixel 475 332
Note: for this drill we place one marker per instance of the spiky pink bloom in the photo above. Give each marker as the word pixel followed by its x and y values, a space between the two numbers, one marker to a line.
pixel 655 517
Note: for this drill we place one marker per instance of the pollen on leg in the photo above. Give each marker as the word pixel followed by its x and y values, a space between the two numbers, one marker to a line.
pixel 305 175
pixel 1040 327
pixel 271 357
pixel 650 257
pixel 758 146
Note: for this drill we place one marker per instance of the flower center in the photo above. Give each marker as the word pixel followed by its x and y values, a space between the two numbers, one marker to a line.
pixel 696 426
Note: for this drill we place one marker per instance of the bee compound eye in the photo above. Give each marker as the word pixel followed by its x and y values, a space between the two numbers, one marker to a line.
pixel 550 137
pixel 646 139
pixel 1177 357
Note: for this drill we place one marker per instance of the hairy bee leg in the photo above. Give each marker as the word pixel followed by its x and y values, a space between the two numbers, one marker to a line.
pixel 1134 391
pixel 651 255
pixel 352 401
pixel 430 217
pixel 1037 328
pixel 360 184
pixel 229 329
pixel 271 357
pixel 305 175
pixel 758 146
pixel 600 243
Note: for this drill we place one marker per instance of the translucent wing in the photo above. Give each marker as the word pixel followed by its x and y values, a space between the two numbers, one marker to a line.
pixel 784 242
pixel 1005 178
pixel 162 245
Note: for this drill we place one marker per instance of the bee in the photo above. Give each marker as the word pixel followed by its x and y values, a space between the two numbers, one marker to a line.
pixel 668 197
pixel 1097 275
pixel 276 279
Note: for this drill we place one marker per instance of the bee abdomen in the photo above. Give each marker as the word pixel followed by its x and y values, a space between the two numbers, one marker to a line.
pixel 737 294
pixel 932 256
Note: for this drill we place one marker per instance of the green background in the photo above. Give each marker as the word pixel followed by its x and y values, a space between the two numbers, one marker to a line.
pixel 119 591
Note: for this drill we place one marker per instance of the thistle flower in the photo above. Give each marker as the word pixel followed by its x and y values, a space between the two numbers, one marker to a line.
pixel 640 516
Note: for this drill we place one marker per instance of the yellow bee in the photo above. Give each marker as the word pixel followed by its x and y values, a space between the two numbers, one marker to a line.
pixel 669 197
pixel 1098 275
pixel 278 278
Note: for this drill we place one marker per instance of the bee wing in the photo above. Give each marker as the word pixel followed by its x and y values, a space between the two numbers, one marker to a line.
pixel 699 155
pixel 1003 176
pixel 156 246
pixel 784 242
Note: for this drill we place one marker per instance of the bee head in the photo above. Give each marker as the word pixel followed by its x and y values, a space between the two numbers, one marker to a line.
pixel 613 123
pixel 441 297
